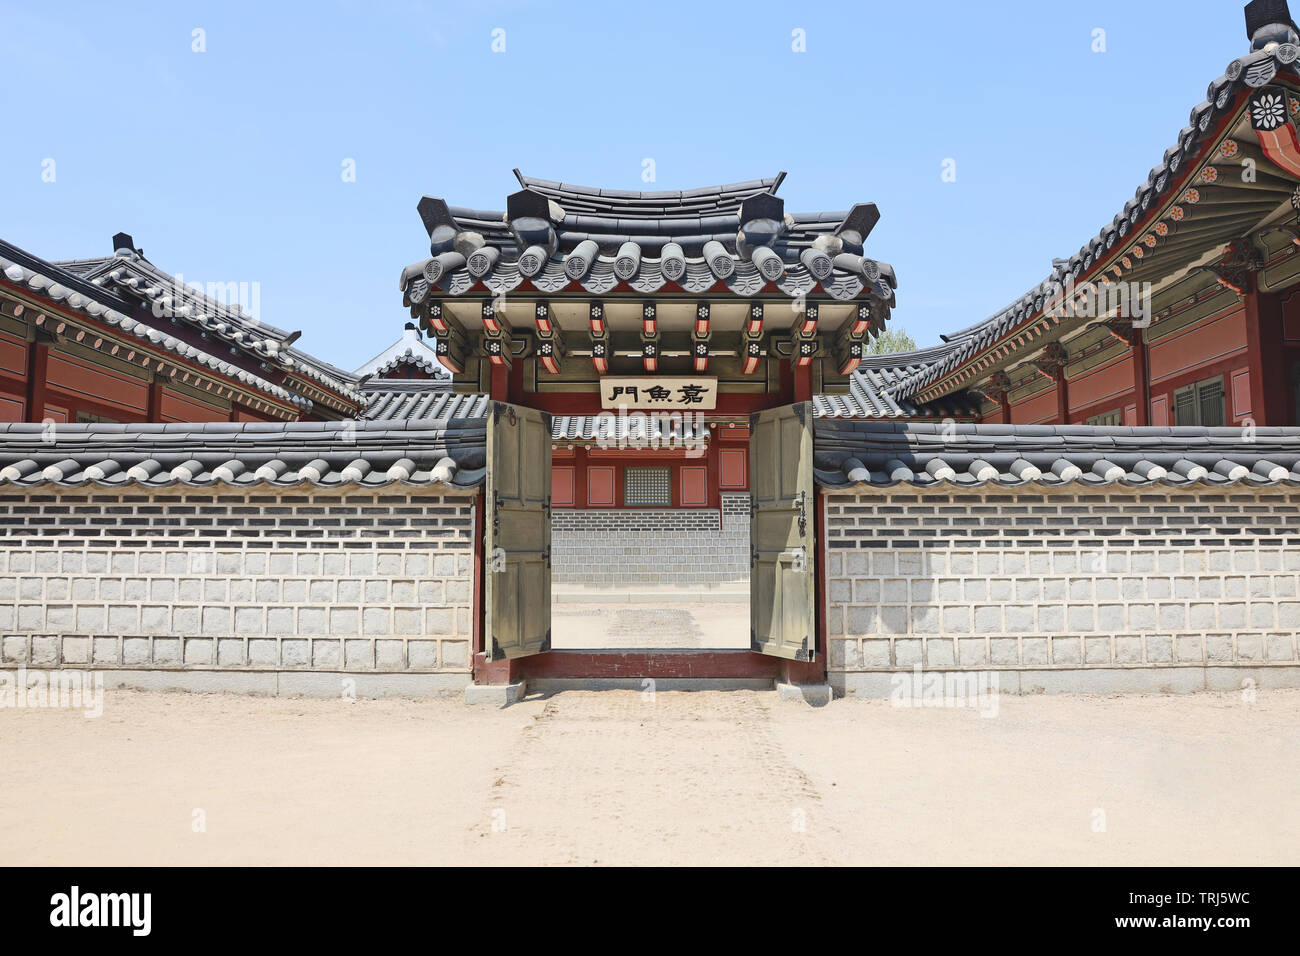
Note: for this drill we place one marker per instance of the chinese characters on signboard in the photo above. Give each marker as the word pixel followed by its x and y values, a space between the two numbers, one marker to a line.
pixel 661 392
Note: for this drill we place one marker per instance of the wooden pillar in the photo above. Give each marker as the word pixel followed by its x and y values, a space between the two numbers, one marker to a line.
pixel 785 382
pixel 795 382
pixel 38 356
pixel 580 477
pixel 1062 398
pixel 153 412
pixel 713 471
pixel 802 383
pixel 499 384
pixel 515 386
pixel 1267 358
pixel 1141 379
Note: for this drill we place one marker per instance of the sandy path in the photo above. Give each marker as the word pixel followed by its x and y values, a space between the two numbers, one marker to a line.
pixel 305 781
pixel 700 625
pixel 1202 779
pixel 618 777
pixel 608 777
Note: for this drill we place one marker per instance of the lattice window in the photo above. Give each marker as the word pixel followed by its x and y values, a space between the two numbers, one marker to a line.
pixel 1115 417
pixel 1203 403
pixel 647 486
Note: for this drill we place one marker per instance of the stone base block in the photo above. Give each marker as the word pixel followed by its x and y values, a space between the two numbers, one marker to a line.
pixel 495 695
pixel 816 695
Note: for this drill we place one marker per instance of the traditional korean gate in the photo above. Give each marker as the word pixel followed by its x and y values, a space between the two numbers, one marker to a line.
pixel 517 583
pixel 782 591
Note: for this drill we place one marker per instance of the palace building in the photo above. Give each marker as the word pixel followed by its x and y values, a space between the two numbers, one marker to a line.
pixel 117 339
pixel 666 398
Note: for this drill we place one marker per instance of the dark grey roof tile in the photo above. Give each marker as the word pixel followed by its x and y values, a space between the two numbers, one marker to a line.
pixel 850 453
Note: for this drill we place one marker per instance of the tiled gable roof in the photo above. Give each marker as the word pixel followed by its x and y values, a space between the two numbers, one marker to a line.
pixel 563 238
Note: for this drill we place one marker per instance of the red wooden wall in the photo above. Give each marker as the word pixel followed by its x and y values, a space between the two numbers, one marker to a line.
pixel 594 477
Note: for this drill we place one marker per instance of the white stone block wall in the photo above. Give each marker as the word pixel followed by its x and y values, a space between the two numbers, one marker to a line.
pixel 224 580
pixel 1071 590
pixel 681 547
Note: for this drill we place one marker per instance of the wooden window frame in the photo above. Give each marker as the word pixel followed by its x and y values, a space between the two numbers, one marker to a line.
pixel 1114 417
pixel 671 474
pixel 1198 393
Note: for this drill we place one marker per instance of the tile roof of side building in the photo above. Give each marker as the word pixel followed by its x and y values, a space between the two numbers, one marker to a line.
pixel 877 390
pixel 410 351
pixel 128 273
pixel 1142 242
pixel 404 399
pixel 72 291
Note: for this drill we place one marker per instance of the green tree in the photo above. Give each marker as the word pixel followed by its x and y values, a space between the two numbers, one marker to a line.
pixel 890 341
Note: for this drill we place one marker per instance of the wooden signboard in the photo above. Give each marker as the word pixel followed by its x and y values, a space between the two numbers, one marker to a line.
pixel 688 393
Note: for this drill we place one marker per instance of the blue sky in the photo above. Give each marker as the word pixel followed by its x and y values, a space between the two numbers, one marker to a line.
pixel 227 165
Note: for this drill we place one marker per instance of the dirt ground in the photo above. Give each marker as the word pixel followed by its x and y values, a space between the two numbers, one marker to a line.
pixel 711 625
pixel 616 777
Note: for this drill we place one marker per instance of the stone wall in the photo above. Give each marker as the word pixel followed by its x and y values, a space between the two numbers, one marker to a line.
pixel 683 547
pixel 1087 591
pixel 272 591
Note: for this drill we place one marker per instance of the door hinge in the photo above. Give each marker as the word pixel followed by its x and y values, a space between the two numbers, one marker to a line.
pixel 803 515
pixel 753 559
pixel 800 412
pixel 508 409
pixel 546 556
pixel 496 516
pixel 497 653
pixel 802 654
pixel 546 641
pixel 753 641
pixel 547 507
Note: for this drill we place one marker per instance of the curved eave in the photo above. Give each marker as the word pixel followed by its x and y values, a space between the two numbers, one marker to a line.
pixel 600 280
pixel 1210 121
pixel 142 281
pixel 29 281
